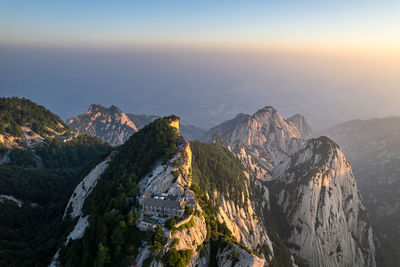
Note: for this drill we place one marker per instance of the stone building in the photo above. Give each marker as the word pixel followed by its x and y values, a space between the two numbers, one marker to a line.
pixel 161 206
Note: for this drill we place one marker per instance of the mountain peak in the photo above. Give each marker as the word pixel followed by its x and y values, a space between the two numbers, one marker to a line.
pixel 266 109
pixel 301 124
pixel 114 108
pixel 101 108
pixel 322 145
pixel 261 141
pixel 110 124
pixel 95 107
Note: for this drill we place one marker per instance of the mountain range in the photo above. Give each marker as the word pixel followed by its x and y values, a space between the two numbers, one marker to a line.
pixel 256 190
pixel 115 127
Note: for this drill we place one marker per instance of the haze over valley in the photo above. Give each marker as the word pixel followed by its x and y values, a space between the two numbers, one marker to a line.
pixel 210 85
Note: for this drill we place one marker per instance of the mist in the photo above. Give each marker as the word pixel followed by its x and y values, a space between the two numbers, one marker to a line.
pixel 203 87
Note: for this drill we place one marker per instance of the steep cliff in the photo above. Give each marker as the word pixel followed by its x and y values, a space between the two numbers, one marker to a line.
pixel 175 178
pixel 373 149
pixel 226 183
pixel 322 217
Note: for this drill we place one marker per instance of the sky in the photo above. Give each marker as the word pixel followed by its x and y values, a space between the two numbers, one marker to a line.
pixel 205 60
pixel 214 23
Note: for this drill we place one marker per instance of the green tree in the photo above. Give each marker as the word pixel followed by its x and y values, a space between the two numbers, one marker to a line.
pixel 188 210
pixel 103 256
pixel 170 223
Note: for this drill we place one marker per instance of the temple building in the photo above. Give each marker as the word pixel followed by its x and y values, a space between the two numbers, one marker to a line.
pixel 161 205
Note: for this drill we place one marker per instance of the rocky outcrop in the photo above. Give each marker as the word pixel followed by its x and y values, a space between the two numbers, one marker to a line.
pixel 261 141
pixel 327 223
pixel 29 138
pixel 174 177
pixel 301 124
pixel 193 237
pixel 236 256
pixel 109 124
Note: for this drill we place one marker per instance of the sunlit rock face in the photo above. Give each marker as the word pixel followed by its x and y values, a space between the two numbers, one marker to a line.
pixel 262 140
pixel 327 224
pixel 109 124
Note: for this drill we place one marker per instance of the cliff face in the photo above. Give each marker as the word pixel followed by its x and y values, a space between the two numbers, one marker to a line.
pixel 261 141
pixel 301 124
pixel 109 124
pixel 316 191
pixel 373 149
pixel 244 224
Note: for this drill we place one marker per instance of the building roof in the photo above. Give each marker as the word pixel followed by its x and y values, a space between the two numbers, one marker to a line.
pixel 161 203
